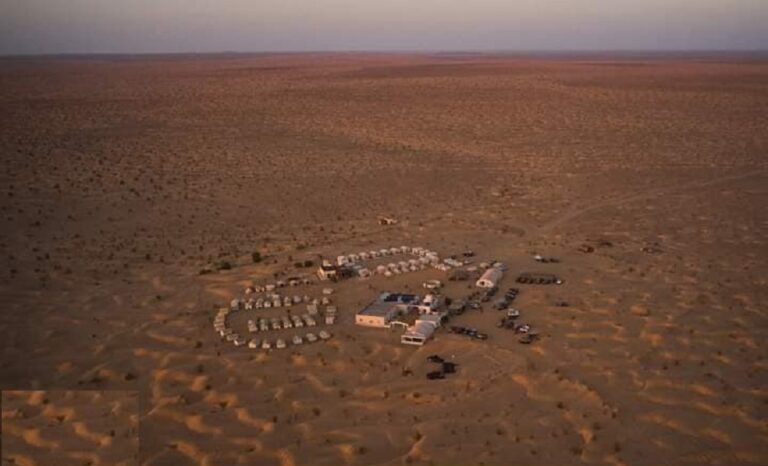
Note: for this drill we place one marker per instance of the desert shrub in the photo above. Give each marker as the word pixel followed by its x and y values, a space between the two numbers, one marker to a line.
pixel 256 257
pixel 576 450
pixel 225 265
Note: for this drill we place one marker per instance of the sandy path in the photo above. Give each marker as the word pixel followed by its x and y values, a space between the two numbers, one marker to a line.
pixel 580 210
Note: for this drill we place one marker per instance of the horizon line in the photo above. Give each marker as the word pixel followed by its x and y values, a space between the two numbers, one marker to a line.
pixel 519 52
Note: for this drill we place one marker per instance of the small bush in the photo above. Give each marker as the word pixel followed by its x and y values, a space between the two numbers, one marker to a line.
pixel 256 256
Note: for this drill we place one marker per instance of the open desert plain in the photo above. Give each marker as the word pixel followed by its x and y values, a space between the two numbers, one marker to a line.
pixel 136 190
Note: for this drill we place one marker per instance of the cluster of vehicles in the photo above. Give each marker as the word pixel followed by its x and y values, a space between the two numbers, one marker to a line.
pixel 469 332
pixel 509 322
pixel 446 367
pixel 504 302
pixel 530 278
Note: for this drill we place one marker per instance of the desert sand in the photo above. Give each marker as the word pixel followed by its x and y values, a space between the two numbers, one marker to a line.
pixel 125 177
pixel 70 427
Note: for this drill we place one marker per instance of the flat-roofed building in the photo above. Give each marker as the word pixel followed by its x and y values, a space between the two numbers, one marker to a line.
pixel 386 308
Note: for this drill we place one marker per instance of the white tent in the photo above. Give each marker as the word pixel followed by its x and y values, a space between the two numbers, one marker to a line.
pixel 490 278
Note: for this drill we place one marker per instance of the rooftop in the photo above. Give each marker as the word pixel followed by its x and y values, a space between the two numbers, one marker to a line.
pixel 398 298
pixel 385 303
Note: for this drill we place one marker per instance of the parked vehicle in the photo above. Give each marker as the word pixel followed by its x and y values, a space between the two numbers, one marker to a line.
pixel 432 284
pixel 522 328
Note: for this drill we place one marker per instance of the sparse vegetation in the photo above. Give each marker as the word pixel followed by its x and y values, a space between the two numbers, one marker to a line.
pixel 225 265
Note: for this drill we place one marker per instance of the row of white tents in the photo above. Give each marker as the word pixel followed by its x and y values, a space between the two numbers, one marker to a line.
pixel 270 287
pixel 351 259
pixel 297 340
pixel 276 300
pixel 422 259
pixel 221 327
pixel 396 268
pixel 224 331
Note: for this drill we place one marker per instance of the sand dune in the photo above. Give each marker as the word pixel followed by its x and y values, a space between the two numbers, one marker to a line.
pixel 70 427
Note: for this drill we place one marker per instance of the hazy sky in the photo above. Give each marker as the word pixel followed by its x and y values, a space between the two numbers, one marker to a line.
pixel 133 26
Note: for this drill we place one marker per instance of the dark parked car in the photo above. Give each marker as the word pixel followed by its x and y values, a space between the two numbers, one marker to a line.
pixel 470 332
pixel 435 375
pixel 522 328
pixel 500 304
pixel 507 322
pixel 449 367
pixel 435 358
pixel 457 308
